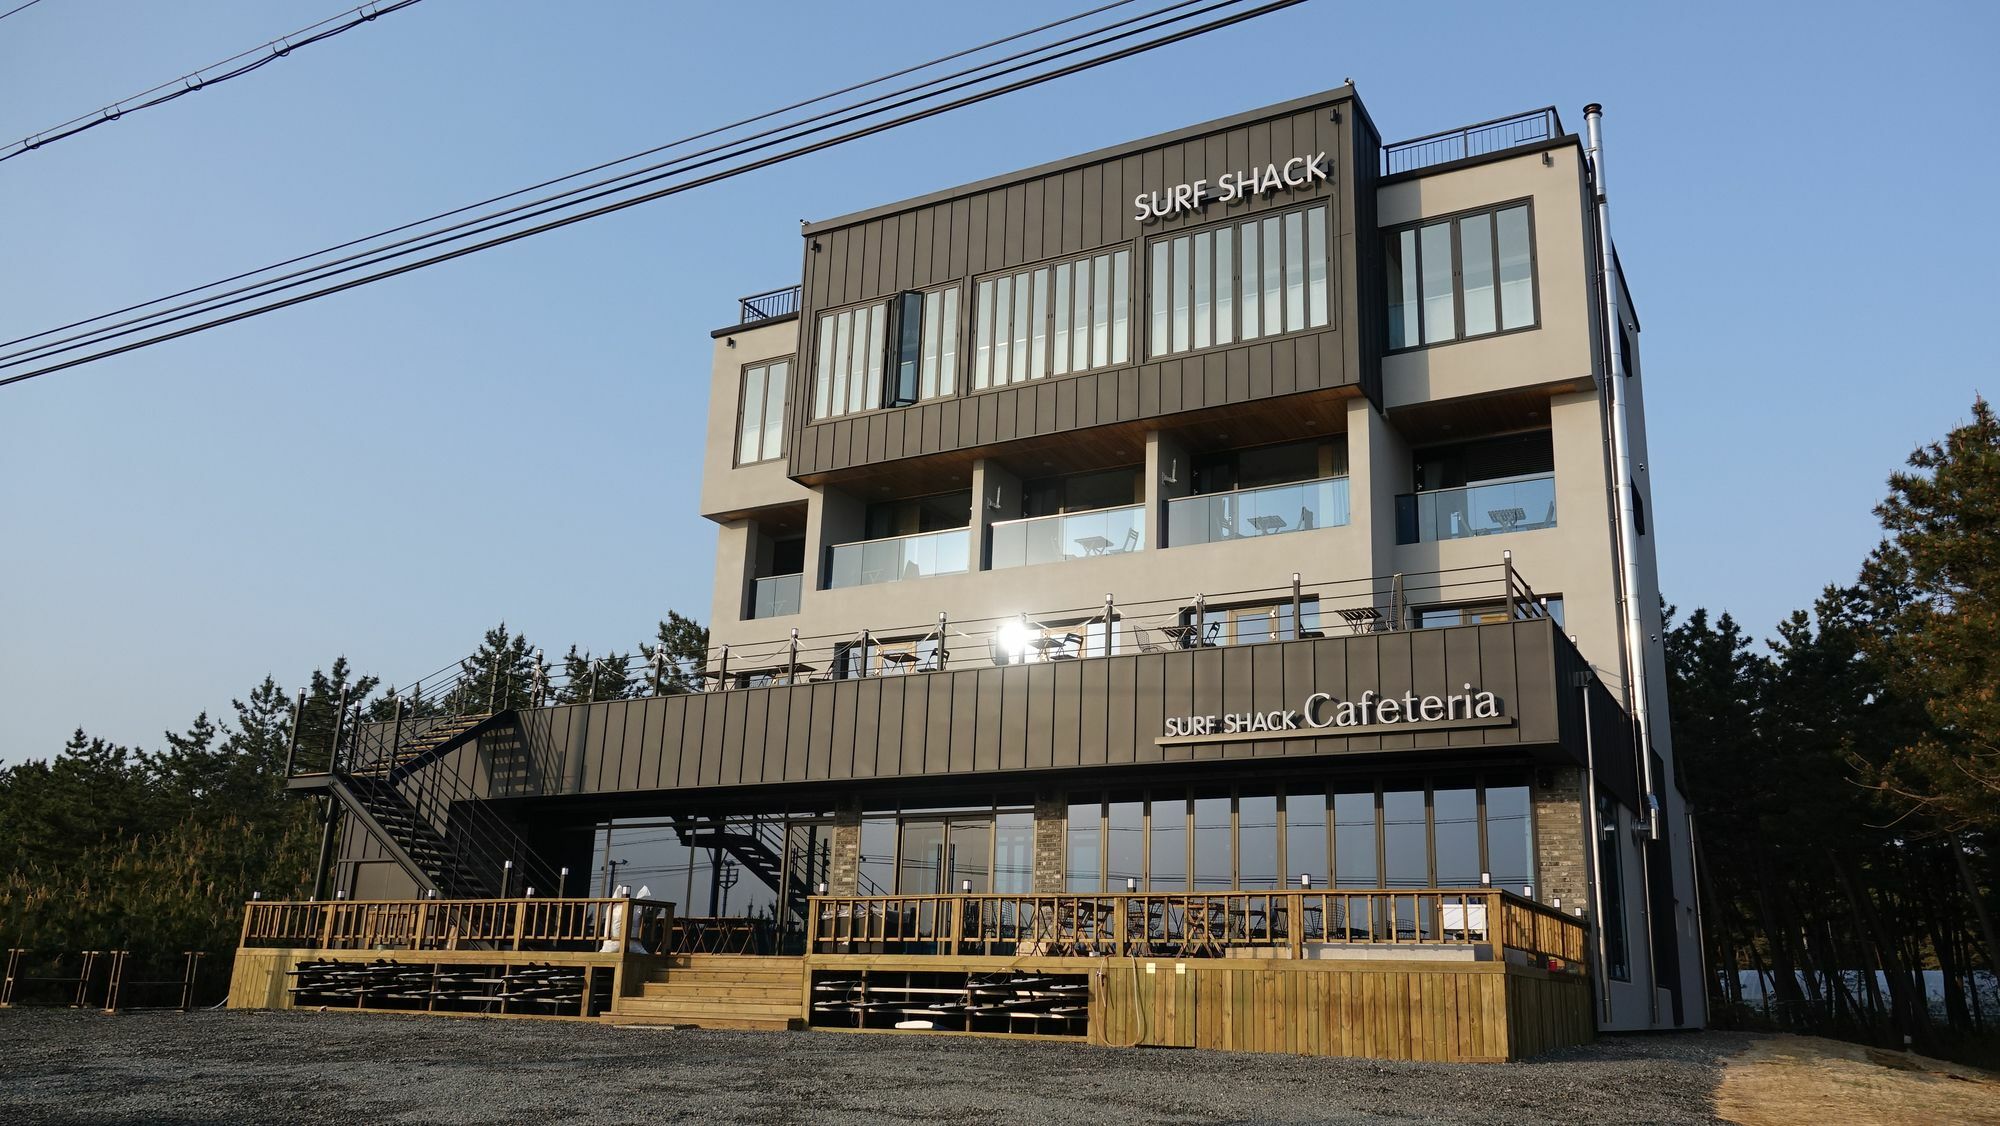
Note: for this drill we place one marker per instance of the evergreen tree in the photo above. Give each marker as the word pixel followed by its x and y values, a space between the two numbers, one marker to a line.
pixel 499 675
pixel 587 679
pixel 1935 583
pixel 673 662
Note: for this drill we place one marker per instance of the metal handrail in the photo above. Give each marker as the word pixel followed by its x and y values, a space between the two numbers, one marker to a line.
pixel 769 305
pixel 1466 141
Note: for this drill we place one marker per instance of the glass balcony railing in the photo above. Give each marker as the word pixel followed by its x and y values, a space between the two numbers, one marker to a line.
pixel 1520 504
pixel 776 596
pixel 1272 510
pixel 1071 535
pixel 899 557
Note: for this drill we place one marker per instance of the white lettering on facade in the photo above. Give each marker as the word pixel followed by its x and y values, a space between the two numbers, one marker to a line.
pixel 1322 710
pixel 1298 172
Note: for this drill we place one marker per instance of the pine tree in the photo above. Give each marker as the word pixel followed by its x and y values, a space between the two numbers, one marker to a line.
pixel 499 675
pixel 673 662
pixel 1935 583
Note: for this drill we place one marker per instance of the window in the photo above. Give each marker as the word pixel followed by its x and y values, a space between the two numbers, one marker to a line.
pixel 1471 275
pixel 1262 277
pixel 761 412
pixel 915 336
pixel 1052 320
pixel 847 368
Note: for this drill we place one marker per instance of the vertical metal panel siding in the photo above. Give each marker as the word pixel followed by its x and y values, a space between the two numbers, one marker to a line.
pixel 1060 215
pixel 1097 711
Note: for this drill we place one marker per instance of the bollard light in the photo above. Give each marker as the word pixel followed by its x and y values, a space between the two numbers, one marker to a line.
pixel 1131 884
pixel 1306 880
pixel 1486 879
pixel 965 887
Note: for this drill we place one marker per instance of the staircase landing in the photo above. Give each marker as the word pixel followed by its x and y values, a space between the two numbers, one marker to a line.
pixel 719 991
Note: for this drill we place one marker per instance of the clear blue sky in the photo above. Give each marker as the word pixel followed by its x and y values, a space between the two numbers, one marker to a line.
pixel 1801 196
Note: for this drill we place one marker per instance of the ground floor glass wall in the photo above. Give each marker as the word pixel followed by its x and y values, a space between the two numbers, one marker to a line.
pixel 1413 832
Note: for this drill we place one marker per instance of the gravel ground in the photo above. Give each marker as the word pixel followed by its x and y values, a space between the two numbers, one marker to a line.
pixel 63 1066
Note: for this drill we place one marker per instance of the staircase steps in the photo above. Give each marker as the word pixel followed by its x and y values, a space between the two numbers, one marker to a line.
pixel 719 991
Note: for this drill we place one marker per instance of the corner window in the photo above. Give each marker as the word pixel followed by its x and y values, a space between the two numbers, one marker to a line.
pixel 1460 277
pixel 1052 320
pixel 760 434
pixel 1263 277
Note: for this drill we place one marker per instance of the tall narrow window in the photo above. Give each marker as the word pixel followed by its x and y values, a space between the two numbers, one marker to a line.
pixel 1457 278
pixel 905 367
pixel 1305 835
pixel 1085 864
pixel 1355 851
pixel 1257 842
pixel 1434 246
pixel 1214 856
pixel 761 435
pixel 1167 846
pixel 1125 844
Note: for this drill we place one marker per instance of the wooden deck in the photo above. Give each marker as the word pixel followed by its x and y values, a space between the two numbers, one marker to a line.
pixel 1182 974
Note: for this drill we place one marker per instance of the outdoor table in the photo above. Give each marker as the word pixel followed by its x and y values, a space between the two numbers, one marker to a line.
pixel 1268 523
pixel 1093 545
pixel 1507 517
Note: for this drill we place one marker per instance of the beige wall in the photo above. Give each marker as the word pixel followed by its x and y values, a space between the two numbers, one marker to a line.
pixel 725 487
pixel 1561 348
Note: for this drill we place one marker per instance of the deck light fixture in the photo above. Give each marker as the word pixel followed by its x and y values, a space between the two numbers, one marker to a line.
pixel 1306 880
pixel 1131 884
pixel 1486 879
pixel 1013 638
pixel 965 887
pixel 819 888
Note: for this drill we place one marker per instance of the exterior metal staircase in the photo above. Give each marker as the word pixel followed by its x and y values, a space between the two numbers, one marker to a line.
pixel 447 838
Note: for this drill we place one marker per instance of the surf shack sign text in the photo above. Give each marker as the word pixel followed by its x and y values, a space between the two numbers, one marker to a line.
pixel 1294 174
pixel 1323 714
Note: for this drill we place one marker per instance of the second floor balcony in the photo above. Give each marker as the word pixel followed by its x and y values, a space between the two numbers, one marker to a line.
pixel 1518 504
pixel 775 596
pixel 1069 535
pixel 895 558
pixel 1244 513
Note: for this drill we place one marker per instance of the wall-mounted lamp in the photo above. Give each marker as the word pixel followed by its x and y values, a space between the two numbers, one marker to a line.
pixel 1173 474
pixel 1528 891
pixel 965 887
pixel 1548 161
pixel 729 342
pixel 993 502
pixel 528 893
pixel 819 888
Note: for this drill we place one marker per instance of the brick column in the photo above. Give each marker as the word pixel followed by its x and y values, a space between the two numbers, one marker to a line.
pixel 846 875
pixel 1051 823
pixel 1562 855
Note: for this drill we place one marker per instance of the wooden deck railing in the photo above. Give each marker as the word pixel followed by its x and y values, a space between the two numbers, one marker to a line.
pixel 459 924
pixel 1182 925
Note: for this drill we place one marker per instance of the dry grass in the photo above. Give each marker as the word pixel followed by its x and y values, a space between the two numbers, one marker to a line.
pixel 1810 1081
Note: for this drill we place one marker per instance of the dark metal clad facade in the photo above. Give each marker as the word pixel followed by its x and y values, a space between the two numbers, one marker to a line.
pixel 1070 715
pixel 1084 206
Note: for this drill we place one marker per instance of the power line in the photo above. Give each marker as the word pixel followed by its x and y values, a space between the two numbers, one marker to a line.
pixel 22 8
pixel 820 123
pixel 657 149
pixel 201 79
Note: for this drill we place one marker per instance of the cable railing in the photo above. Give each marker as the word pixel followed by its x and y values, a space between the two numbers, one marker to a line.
pixel 1472 140
pixel 1295 611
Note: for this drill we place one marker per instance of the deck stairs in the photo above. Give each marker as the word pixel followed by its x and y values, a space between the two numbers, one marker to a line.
pixel 719 991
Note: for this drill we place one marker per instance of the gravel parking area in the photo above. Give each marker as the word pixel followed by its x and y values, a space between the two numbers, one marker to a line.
pixel 63 1066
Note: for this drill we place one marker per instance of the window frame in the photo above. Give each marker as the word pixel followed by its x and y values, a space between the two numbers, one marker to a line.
pixel 1054 294
pixel 1451 220
pixel 784 410
pixel 1235 298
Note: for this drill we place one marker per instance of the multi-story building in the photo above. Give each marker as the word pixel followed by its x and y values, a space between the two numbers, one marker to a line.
pixel 1247 508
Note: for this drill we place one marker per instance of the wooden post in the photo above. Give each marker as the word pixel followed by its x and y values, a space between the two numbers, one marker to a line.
pixel 421 939
pixel 326 929
pixel 1295 919
pixel 520 920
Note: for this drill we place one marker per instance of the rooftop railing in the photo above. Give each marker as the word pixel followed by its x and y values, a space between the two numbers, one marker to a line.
pixel 1472 140
pixel 768 306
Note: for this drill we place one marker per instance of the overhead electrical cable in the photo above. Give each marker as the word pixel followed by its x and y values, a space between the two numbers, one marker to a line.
pixel 970 91
pixel 22 8
pixel 337 247
pixel 550 203
pixel 239 64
